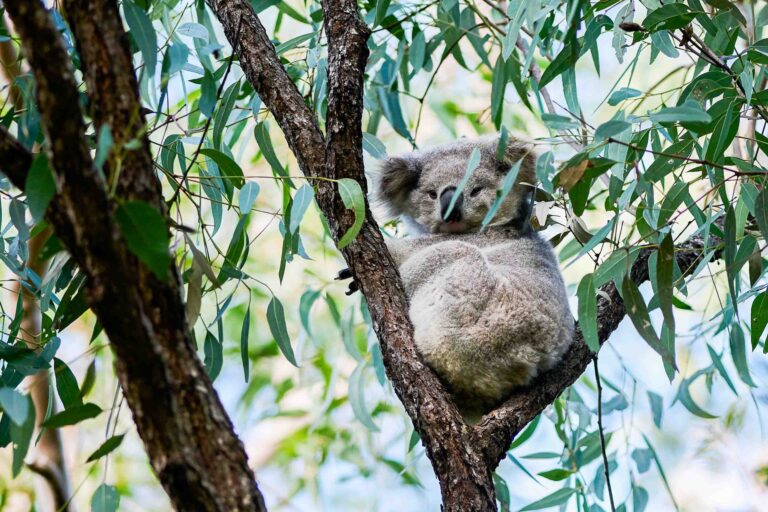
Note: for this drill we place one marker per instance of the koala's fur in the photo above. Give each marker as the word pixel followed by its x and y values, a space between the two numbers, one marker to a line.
pixel 489 308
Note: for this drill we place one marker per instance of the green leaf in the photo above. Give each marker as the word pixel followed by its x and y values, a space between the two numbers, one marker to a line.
pixel 230 170
pixel 353 198
pixel 40 186
pixel 146 235
pixel 685 398
pixel 213 352
pixel 143 33
pixel 208 93
pixel 689 112
pixel 669 17
pixel 498 86
pixel 597 238
pixel 357 397
pixel 381 11
pixel 661 470
pixel 638 313
pixel 195 30
pixel 472 163
pixel 501 195
pixel 502 492
pixel 665 270
pixel 106 447
pixel 588 312
pixel 556 474
pixel 676 195
pixel 374 147
pixel 642 457
pixel 555 499
pixel 759 318
pixel 739 355
pixel 390 106
pixel 615 266
pixel 558 122
pixel 525 434
pixel 301 202
pixel 639 498
pixel 417 51
pixel 66 384
pixel 223 113
pixel 105 499
pixel 21 436
pixel 15 405
pixel 244 332
pixel 73 415
pixel 622 94
pixel 761 212
pixel 261 132
pixel 104 145
pixel 657 407
pixel 611 128
pixel 247 197
pixel 564 60
pixel 276 321
pixel 718 363
pixel 293 43
pixel 308 298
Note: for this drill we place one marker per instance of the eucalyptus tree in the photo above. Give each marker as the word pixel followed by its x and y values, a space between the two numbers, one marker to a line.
pixel 673 180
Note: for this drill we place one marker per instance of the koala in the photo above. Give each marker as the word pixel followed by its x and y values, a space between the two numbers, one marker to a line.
pixel 488 307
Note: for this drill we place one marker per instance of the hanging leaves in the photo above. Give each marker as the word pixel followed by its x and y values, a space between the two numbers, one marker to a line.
pixel 352 196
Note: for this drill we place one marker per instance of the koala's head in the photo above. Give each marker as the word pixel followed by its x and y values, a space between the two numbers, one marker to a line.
pixel 421 186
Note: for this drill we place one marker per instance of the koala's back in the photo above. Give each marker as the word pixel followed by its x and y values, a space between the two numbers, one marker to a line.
pixel 491 314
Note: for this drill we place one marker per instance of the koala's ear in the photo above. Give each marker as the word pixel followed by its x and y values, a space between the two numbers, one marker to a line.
pixel 517 149
pixel 397 177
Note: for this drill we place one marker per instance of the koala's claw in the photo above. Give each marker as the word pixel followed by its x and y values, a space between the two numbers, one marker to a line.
pixel 345 273
pixel 353 287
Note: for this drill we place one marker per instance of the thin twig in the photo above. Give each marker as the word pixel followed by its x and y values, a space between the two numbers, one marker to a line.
pixel 210 118
pixel 602 436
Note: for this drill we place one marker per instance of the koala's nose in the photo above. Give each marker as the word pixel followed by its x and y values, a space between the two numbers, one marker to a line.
pixel 446 196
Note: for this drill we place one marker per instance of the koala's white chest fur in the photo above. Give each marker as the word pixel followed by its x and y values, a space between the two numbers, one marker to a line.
pixel 489 313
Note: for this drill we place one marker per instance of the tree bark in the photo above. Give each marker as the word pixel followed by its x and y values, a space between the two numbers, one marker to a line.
pixel 189 438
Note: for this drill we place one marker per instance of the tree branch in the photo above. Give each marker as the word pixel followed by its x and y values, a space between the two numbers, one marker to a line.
pixel 189 438
pixel 113 90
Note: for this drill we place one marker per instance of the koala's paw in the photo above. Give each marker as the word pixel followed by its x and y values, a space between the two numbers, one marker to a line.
pixel 345 273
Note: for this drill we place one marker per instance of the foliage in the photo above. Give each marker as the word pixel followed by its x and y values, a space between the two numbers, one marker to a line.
pixel 658 165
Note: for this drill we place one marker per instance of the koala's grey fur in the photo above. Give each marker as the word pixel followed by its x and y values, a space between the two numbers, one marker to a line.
pixel 489 309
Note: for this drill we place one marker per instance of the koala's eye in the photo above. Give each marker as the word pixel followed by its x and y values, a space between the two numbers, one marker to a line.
pixel 475 191
pixel 432 194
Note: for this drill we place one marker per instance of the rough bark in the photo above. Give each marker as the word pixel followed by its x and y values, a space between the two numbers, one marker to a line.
pixel 188 437
pixel 463 457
